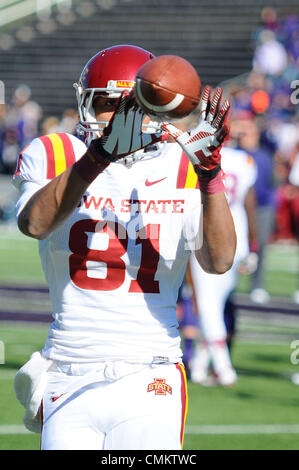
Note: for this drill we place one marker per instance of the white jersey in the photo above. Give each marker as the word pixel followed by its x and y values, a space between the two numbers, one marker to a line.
pixel 115 266
pixel 240 174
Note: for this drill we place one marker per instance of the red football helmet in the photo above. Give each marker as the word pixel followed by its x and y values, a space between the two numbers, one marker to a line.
pixel 110 71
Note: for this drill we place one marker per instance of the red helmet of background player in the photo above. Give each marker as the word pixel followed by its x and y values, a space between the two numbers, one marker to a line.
pixel 109 72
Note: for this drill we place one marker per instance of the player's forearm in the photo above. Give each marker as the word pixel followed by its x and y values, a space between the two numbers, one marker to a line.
pixel 49 207
pixel 52 205
pixel 217 252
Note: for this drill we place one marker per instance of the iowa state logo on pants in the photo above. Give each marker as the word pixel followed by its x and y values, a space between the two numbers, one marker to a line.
pixel 159 387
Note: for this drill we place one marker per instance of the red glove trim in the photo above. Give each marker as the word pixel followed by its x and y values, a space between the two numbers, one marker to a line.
pixel 212 185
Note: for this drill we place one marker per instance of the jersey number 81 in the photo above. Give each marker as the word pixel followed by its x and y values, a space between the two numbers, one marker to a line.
pixel 112 256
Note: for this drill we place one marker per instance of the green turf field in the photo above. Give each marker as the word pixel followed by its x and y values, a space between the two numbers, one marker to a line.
pixel 259 412
pixel 19 258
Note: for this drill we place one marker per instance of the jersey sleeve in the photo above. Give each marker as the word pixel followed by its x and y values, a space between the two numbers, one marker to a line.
pixel 46 157
pixel 31 165
pixel 42 160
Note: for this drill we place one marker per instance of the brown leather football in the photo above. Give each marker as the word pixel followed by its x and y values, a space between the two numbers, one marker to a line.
pixel 167 86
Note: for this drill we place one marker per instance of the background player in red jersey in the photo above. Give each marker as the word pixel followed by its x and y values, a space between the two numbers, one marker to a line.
pixel 110 375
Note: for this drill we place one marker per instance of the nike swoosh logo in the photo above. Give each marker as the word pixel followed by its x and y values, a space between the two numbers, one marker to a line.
pixel 149 183
pixel 56 398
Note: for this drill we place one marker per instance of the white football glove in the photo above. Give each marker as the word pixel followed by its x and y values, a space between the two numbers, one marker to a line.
pixel 202 145
pixel 123 135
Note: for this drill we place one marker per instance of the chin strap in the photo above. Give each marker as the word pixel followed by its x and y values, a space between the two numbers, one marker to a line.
pixel 149 152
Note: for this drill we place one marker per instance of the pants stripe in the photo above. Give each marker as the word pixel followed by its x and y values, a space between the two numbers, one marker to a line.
pixel 184 398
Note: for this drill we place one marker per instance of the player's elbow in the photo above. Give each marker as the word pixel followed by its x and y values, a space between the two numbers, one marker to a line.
pixel 30 229
pixel 212 264
pixel 217 267
pixel 223 259
pixel 222 266
pixel 223 263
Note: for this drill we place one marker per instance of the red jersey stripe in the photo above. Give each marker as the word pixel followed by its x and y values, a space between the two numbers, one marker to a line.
pixel 182 173
pixel 18 168
pixel 50 156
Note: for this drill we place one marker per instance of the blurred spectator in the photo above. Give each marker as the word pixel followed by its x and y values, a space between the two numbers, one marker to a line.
pixel 69 121
pixel 287 214
pixel 269 21
pixel 270 56
pixel 2 114
pixel 24 114
pixel 294 180
pixel 9 150
pixel 20 123
pixel 249 138
pixel 265 122
pixel 288 32
pixel 18 128
pixel 253 97
pixel 50 125
pixel 275 55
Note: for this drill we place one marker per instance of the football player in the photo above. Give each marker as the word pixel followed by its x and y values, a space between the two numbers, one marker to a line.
pixel 116 215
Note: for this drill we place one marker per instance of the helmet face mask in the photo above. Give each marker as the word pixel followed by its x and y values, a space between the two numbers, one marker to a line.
pixel 108 73
pixel 85 98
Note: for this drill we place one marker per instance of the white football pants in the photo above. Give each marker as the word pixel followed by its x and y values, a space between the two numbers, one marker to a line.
pixel 114 406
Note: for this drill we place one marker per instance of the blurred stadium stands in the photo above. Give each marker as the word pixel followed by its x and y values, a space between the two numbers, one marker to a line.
pixel 48 52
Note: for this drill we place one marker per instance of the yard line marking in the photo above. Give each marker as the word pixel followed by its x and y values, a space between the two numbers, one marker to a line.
pixel 243 429
pixel 197 429
pixel 7 374
pixel 13 429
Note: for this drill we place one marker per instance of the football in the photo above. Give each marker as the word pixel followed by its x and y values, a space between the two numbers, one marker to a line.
pixel 167 86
